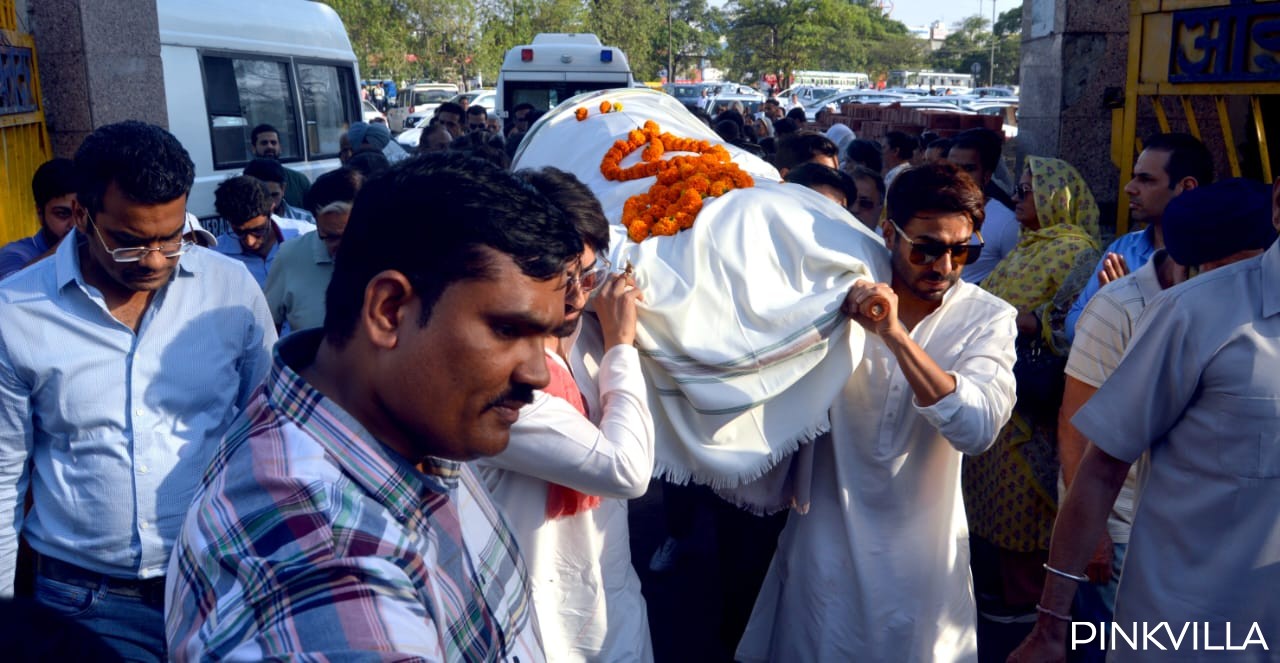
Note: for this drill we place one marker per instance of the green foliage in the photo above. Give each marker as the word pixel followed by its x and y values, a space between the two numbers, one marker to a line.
pixel 972 42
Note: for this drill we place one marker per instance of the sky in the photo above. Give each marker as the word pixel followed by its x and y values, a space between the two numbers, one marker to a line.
pixel 923 12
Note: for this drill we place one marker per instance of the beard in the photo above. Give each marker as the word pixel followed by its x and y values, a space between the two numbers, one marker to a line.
pixel 569 326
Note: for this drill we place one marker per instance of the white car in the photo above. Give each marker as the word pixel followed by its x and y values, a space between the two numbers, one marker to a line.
pixel 370 113
pixel 485 99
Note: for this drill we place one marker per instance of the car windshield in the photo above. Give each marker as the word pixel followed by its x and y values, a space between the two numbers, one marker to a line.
pixel 431 96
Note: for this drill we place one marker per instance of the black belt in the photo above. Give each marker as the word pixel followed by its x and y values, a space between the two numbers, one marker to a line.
pixel 151 590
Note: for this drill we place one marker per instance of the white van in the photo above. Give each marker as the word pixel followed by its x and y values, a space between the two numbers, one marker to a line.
pixel 230 65
pixel 557 66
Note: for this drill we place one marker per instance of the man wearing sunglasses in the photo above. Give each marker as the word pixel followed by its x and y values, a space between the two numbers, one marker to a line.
pixel 256 233
pixel 884 546
pixel 579 452
pixel 123 360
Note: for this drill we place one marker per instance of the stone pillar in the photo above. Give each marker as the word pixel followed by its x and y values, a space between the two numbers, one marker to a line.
pixel 99 64
pixel 1072 53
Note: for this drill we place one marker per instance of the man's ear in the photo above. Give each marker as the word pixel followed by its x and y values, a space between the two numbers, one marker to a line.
pixel 81 216
pixel 387 299
pixel 887 231
pixel 1187 183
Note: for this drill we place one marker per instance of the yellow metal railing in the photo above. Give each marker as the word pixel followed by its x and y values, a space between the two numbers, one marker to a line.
pixel 1205 57
pixel 24 140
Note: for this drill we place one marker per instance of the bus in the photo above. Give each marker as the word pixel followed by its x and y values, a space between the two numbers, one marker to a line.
pixel 836 79
pixel 937 80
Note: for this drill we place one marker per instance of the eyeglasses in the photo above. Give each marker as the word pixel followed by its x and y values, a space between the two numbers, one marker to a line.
pixel 167 250
pixel 1020 190
pixel 477 127
pixel 591 280
pixel 258 232
pixel 926 252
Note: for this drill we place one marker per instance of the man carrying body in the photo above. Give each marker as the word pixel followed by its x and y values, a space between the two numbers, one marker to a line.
pixel 338 519
pixel 54 188
pixel 977 152
pixel 264 142
pixel 579 452
pixel 878 568
pixel 275 178
pixel 1197 389
pixel 1168 165
pixel 123 359
pixel 256 233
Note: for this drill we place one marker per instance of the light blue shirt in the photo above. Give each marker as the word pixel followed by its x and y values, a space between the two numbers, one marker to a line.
pixel 118 427
pixel 1137 248
pixel 1000 232
pixel 259 267
pixel 17 254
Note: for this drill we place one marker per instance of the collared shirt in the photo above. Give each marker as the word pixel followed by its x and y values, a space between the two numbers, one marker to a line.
pixel 297 281
pixel 288 211
pixel 590 607
pixel 1102 334
pixel 310 538
pixel 878 569
pixel 19 253
pixel 1000 233
pixel 1137 248
pixel 1199 387
pixel 286 229
pixel 297 185
pixel 118 426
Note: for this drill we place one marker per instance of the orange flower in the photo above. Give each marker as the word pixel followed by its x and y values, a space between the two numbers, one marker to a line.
pixel 605 106
pixel 581 114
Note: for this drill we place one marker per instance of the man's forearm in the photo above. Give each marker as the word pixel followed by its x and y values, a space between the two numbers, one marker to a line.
pixel 928 381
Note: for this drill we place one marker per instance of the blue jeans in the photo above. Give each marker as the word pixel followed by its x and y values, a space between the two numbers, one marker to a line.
pixel 131 627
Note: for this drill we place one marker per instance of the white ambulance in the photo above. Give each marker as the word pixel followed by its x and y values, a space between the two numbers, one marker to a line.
pixel 230 65
pixel 557 66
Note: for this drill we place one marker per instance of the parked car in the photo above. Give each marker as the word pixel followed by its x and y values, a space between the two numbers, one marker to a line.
pixel 424 98
pixel 371 113
pixel 750 103
pixel 689 94
pixel 485 98
pixel 835 101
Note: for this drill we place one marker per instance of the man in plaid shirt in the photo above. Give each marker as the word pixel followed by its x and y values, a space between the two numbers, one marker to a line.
pixel 337 519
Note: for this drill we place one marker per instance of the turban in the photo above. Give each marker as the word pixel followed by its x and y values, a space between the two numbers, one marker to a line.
pixel 362 133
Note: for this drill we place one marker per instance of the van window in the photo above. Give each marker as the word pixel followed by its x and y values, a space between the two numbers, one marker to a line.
pixel 242 93
pixel 328 105
pixel 432 96
pixel 545 95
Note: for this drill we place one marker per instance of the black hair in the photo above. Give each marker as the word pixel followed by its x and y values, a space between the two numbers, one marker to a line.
pixel 802 146
pixel 267 170
pixel 865 153
pixel 335 186
pixel 903 143
pixel 941 144
pixel 985 142
pixel 241 198
pixel 797 115
pixel 437 219
pixel 813 175
pixel 865 173
pixel 477 110
pixel 732 116
pixel 784 126
pixel 450 107
pixel 369 162
pixel 1188 157
pixel 261 129
pixel 575 199
pixel 729 130
pixel 477 144
pixel 937 186
pixel 146 163
pixel 54 178
pixel 522 106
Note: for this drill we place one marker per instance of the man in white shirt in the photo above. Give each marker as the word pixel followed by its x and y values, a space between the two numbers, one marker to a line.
pixel 1199 390
pixel 977 152
pixel 878 568
pixel 578 453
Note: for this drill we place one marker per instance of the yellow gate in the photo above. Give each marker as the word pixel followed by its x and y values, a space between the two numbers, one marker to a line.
pixel 1210 68
pixel 24 141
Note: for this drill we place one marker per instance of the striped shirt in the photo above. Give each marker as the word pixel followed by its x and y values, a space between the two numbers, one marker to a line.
pixel 310 539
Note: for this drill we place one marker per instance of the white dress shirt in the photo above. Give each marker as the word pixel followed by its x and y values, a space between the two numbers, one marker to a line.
pixel 585 591
pixel 878 569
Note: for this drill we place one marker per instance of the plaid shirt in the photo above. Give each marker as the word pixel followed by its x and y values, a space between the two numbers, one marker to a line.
pixel 310 539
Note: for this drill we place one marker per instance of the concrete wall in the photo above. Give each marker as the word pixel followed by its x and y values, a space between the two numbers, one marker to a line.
pixel 99 64
pixel 1072 52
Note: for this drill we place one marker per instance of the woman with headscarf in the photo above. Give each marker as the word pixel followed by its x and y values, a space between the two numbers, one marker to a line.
pixel 1011 490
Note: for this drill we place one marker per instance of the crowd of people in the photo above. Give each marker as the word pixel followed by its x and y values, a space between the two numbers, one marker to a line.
pixel 399 411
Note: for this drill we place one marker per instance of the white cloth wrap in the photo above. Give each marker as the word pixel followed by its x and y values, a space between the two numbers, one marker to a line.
pixel 740 333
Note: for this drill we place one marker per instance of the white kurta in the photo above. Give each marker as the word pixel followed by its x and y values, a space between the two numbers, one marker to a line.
pixel 878 570
pixel 585 591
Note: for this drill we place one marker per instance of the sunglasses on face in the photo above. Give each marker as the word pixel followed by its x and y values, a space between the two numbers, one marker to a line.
pixel 1021 190
pixel 477 127
pixel 590 280
pixel 258 232
pixel 926 252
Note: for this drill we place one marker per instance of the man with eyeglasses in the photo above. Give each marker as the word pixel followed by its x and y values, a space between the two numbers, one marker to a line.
pixel 123 359
pixel 579 452
pixel 256 233
pixel 869 204
pixel 477 119
pixel 883 548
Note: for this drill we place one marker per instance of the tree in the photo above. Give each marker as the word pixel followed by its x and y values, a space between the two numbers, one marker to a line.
pixel 971 43
pixel 690 33
pixel 378 32
pixel 631 26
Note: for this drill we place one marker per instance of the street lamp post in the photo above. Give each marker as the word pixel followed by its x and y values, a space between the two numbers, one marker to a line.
pixel 991 70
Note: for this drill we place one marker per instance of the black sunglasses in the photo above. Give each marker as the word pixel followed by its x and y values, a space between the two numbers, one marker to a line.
pixel 926 252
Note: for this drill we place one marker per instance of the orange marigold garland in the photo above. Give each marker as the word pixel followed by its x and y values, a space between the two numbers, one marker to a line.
pixel 673 202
